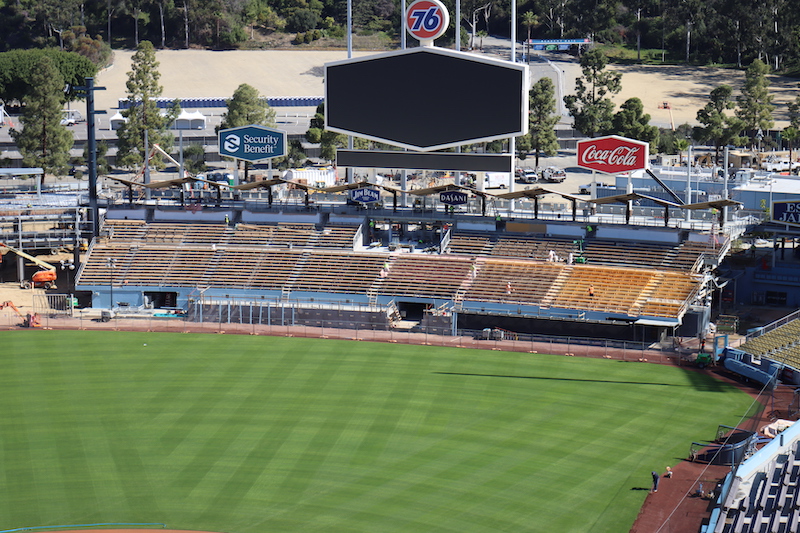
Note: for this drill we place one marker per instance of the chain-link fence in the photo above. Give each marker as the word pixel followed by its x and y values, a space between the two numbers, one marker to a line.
pixel 361 331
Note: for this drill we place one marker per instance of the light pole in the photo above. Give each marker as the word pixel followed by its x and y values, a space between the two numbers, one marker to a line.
pixel 67 265
pixel 112 264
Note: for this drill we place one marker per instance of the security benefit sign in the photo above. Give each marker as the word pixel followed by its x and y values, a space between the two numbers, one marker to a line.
pixel 365 195
pixel 786 212
pixel 252 143
pixel 453 197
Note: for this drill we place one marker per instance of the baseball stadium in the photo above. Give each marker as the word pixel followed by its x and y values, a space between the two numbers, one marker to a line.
pixel 411 350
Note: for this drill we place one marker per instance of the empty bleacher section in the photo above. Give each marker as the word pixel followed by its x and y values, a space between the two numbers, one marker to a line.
pixel 272 235
pixel 470 244
pixel 265 269
pixel 483 273
pixel 602 252
pixel 337 272
pixel 533 247
pixel 781 344
pixel 294 234
pixel 498 280
pixel 761 495
pixel 668 294
pixel 689 252
pixel 602 288
pixel 340 237
pixel 424 276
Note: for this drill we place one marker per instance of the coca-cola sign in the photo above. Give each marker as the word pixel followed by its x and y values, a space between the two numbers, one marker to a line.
pixel 613 154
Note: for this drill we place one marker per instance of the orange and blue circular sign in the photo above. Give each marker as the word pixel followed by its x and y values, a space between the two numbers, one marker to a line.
pixel 427 19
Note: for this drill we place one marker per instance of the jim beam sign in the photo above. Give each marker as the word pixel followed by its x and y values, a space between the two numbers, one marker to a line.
pixel 786 212
pixel 613 154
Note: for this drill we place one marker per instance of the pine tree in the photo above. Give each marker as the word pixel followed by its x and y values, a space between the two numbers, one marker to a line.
pixel 631 121
pixel 246 107
pixel 755 102
pixel 143 113
pixel 542 119
pixel 718 127
pixel 591 110
pixel 43 141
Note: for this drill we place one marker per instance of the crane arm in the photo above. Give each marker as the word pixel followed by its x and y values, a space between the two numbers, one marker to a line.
pixel 41 264
pixel 153 150
pixel 12 306
pixel 169 157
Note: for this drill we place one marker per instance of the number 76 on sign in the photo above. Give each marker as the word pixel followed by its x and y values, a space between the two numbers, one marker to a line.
pixel 427 20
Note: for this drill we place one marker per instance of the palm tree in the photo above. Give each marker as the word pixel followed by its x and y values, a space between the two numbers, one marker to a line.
pixel 791 134
pixel 528 20
pixel 681 145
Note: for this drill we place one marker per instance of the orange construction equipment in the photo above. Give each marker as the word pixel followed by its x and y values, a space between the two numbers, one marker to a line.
pixel 45 278
pixel 29 320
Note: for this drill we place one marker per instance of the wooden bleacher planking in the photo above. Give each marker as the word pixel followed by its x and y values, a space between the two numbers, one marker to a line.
pixel 187 268
pixel 615 290
pixel 425 276
pixel 273 234
pixel 340 237
pixel 273 269
pixel 533 247
pixel 337 272
pixel 149 265
pixel 470 244
pixel 124 230
pixel 529 281
pixel 259 257
pixel 670 294
pixel 688 252
pixel 625 253
pixel 96 270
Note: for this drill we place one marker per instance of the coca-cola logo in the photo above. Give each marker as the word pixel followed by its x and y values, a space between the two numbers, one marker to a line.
pixel 612 154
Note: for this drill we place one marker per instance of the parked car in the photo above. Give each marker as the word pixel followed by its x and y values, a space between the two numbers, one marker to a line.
pixel 527 175
pixel 587 188
pixel 554 175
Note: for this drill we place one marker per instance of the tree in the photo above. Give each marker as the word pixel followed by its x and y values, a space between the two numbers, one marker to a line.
pixel 529 19
pixel 542 118
pixel 329 141
pixel 631 121
pixel 794 112
pixel 591 110
pixel 43 141
pixel 755 102
pixel 246 107
pixel 194 158
pixel 18 67
pixel 143 113
pixel 790 135
pixel 682 145
pixel 718 127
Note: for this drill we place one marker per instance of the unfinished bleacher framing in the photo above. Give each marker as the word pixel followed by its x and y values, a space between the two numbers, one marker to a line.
pixel 686 256
pixel 305 261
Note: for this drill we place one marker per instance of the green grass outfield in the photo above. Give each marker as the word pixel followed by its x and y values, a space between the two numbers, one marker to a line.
pixel 272 434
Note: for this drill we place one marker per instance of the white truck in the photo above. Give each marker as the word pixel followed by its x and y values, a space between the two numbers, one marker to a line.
pixel 320 177
pixel 496 180
pixel 779 165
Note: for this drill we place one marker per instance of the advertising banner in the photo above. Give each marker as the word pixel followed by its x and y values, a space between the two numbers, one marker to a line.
pixel 613 154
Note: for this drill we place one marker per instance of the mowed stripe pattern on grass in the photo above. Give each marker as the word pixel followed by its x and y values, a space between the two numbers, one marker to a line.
pixel 252 434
